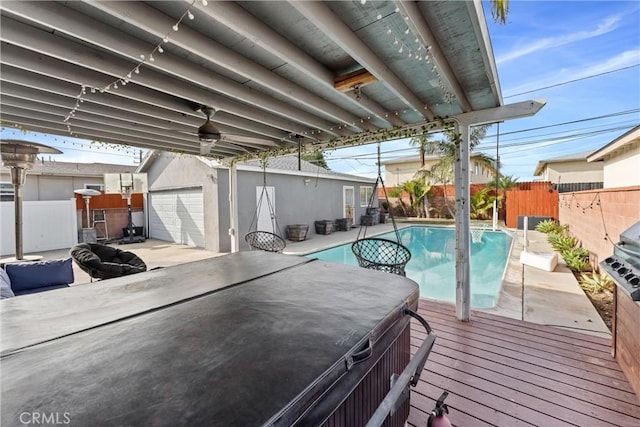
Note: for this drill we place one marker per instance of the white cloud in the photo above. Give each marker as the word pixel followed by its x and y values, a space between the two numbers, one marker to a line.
pixel 622 60
pixel 605 26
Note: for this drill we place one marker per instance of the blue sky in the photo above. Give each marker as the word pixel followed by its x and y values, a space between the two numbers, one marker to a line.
pixel 550 49
pixel 583 57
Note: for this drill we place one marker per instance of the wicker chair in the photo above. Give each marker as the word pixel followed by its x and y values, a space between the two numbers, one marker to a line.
pixel 381 254
pixel 265 241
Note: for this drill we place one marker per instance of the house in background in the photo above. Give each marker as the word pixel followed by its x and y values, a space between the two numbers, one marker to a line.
pixel 53 215
pixel 52 180
pixel 402 169
pixel 571 172
pixel 620 160
pixel 188 199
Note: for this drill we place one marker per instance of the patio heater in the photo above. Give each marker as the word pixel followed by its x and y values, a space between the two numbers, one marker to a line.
pixel 89 233
pixel 19 156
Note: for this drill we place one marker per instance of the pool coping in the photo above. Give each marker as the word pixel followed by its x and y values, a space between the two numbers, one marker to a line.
pixel 547 298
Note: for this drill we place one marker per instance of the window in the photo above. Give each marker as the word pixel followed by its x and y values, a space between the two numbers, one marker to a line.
pixel 7 192
pixel 98 187
pixel 365 196
pixel 475 164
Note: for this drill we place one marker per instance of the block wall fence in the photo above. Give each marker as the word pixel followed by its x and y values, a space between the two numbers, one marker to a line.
pixel 597 217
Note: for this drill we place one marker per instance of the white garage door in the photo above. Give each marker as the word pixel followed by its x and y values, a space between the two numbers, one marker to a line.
pixel 177 216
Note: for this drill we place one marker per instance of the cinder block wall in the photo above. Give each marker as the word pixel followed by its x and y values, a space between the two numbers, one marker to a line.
pixel 593 215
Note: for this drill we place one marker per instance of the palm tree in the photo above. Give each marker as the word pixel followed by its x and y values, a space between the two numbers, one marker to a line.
pixel 502 183
pixel 442 171
pixel 499 10
pixel 423 142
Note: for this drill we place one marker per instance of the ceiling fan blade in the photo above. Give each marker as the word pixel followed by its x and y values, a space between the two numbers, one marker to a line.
pixel 247 140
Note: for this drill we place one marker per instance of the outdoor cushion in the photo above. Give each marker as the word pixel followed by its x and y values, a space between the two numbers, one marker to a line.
pixel 5 285
pixel 106 262
pixel 27 276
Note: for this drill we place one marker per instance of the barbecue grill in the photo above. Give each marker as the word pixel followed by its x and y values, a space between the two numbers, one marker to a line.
pixel 624 265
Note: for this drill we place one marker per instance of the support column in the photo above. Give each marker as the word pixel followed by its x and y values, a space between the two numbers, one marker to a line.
pixel 233 208
pixel 463 253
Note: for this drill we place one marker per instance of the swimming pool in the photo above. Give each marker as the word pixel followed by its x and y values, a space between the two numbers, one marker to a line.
pixel 433 265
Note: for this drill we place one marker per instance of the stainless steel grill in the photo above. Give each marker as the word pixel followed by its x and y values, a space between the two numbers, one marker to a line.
pixel 624 265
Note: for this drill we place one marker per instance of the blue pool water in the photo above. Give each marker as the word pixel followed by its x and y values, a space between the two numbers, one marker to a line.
pixel 432 263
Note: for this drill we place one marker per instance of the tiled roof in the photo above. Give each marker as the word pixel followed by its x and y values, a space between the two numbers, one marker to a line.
pixel 76 169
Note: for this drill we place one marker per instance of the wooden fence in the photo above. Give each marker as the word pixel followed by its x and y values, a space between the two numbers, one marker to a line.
pixel 531 199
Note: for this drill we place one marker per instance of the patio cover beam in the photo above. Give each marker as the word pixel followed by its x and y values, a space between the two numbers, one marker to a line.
pixel 142 100
pixel 421 28
pixel 156 23
pixel 64 50
pixel 240 21
pixel 322 17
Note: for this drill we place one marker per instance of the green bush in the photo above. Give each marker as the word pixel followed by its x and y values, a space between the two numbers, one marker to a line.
pixel 596 283
pixel 577 259
pixel 561 242
pixel 548 226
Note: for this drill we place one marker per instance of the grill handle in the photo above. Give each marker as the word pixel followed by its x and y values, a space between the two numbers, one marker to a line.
pixel 400 388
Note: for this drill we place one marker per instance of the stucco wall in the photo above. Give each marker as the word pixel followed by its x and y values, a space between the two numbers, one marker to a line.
pixel 578 171
pixel 595 214
pixel 169 172
pixel 623 169
pixel 295 202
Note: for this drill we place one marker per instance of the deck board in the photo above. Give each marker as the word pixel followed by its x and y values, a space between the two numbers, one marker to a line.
pixel 505 372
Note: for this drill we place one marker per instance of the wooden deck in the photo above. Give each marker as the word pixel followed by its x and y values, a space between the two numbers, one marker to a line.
pixel 506 372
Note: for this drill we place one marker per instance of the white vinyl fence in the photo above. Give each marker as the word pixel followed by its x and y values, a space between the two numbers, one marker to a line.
pixel 46 225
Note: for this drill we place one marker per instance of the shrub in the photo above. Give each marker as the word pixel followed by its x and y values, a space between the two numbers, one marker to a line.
pixel 577 259
pixel 596 283
pixel 561 242
pixel 548 226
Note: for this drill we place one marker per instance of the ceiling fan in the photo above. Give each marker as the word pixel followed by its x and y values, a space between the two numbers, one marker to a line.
pixel 209 135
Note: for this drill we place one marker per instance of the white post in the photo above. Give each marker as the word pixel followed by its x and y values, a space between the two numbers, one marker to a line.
pixel 495 215
pixel 463 234
pixel 233 208
pixel 524 232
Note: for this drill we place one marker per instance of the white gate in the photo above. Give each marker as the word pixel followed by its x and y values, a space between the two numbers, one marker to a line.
pixel 46 225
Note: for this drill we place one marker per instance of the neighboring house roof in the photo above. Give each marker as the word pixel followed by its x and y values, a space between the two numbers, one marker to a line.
pixel 542 164
pixel 282 165
pixel 416 158
pixel 616 146
pixel 47 167
pixel 290 163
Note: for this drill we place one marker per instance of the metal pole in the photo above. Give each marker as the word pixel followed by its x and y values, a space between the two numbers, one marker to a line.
pixel 86 202
pixel 18 175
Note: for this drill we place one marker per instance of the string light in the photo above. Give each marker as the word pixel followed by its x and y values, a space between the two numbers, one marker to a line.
pixel 136 70
pixel 412 51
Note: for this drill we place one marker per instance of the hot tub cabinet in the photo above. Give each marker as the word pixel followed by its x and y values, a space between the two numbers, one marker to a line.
pixel 246 339
pixel 625 337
